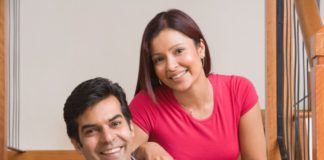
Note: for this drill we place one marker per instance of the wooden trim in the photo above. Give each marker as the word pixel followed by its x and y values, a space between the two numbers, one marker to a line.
pixel 45 155
pixel 271 83
pixel 3 118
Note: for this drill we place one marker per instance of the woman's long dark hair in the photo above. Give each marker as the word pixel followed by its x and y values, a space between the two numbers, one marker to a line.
pixel 174 19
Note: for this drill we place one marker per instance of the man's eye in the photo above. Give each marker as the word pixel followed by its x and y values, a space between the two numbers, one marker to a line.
pixel 90 132
pixel 115 124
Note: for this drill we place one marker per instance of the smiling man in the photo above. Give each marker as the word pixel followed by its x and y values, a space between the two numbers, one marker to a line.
pixel 98 120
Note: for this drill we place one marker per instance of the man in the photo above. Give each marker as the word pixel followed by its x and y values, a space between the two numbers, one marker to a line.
pixel 98 120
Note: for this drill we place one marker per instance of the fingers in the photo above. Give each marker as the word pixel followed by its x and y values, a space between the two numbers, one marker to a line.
pixel 152 151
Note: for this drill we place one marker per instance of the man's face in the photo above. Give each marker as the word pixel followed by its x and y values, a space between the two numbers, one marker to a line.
pixel 104 132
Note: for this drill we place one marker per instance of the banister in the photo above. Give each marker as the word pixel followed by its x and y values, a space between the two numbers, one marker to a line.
pixel 310 21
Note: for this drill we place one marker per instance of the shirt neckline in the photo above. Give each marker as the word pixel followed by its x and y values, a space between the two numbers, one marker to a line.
pixel 178 106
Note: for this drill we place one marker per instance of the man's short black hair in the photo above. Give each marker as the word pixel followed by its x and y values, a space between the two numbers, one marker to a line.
pixel 87 94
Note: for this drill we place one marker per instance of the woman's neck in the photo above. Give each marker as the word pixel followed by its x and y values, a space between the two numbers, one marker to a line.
pixel 198 99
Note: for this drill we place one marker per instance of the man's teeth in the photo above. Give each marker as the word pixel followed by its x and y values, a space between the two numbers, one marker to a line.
pixel 113 150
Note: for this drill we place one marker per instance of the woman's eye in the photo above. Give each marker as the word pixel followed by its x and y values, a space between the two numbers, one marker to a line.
pixel 179 50
pixel 158 60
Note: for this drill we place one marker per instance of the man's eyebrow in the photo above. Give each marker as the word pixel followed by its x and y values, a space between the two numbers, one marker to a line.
pixel 86 126
pixel 115 117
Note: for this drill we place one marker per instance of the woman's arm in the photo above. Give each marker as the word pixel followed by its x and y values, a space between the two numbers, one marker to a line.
pixel 252 137
pixel 144 150
pixel 139 138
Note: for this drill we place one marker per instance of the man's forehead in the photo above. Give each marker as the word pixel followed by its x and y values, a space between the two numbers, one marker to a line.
pixel 104 110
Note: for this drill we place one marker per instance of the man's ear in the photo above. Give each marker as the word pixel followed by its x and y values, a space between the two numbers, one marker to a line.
pixel 131 126
pixel 76 144
pixel 201 49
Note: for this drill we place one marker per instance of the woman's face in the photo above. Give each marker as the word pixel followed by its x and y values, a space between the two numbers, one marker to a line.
pixel 177 59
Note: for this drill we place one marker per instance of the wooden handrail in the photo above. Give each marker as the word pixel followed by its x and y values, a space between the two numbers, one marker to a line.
pixel 317 44
pixel 302 115
pixel 310 22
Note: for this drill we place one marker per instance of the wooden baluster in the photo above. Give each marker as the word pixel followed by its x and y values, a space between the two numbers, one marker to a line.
pixel 317 93
pixel 273 152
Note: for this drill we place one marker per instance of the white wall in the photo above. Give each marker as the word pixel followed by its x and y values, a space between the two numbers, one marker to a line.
pixel 64 42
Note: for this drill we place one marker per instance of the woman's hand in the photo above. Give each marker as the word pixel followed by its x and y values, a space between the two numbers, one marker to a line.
pixel 152 151
pixel 144 150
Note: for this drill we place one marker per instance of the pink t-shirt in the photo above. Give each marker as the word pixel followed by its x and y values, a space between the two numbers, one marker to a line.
pixel 185 137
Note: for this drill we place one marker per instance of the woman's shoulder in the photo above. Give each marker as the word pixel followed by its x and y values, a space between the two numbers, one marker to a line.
pixel 143 96
pixel 226 78
pixel 220 77
pixel 229 81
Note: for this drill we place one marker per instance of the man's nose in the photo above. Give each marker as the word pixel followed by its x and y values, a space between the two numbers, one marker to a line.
pixel 107 135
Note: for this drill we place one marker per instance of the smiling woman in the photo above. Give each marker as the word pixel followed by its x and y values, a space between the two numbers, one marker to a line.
pixel 177 53
pixel 224 117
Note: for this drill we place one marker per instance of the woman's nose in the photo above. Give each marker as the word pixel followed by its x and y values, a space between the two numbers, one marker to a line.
pixel 172 63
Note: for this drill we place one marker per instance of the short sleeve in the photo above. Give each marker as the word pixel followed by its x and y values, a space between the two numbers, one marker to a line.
pixel 246 94
pixel 142 111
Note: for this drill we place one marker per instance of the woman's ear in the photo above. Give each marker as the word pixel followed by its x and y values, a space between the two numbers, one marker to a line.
pixel 201 49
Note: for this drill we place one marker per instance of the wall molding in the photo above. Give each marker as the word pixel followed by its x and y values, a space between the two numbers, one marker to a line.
pixel 45 154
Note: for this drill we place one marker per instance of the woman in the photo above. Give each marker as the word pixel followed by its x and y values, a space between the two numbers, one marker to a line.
pixel 188 112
